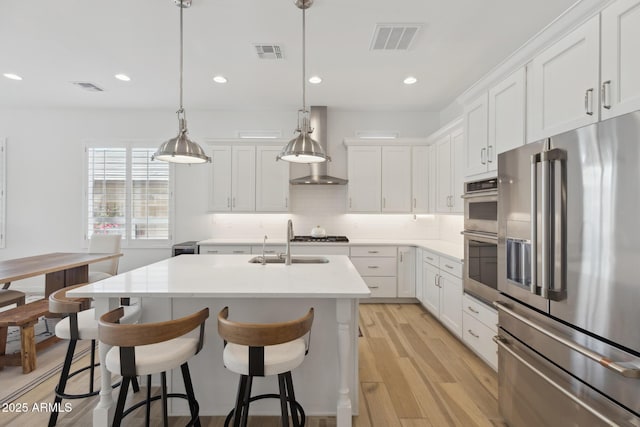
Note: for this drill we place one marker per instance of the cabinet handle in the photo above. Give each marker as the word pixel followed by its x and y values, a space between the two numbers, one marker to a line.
pixel 384 202
pixel 401 257
pixel 473 334
pixel 588 101
pixel 233 202
pixel 435 280
pixel 373 287
pixel 448 266
pixel 238 252
pixel 483 153
pixel 414 202
pixel 473 310
pixel 269 252
pixel 286 202
pixel 605 93
pixel 429 258
pixel 212 252
pixel 228 202
pixel 490 154
pixel 372 252
pixel 373 266
pixel 350 202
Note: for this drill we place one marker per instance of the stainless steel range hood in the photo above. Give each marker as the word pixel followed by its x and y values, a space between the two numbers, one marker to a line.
pixel 318 173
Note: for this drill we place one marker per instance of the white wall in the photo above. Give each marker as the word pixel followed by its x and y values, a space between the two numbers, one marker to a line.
pixel 45 169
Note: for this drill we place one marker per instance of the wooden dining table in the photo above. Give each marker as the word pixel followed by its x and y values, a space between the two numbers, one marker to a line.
pixel 59 268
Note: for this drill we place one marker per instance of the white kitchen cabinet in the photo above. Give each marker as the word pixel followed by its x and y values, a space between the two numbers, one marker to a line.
pixel 563 91
pixel 396 179
pixel 378 267
pixel 449 155
pixel 479 323
pixel 243 179
pixel 406 272
pixel 494 123
pixel 220 179
pixel 418 273
pixel 432 179
pixel 224 249
pixel 319 249
pixel 620 62
pixel 365 179
pixel 272 183
pixel 420 178
pixel 476 135
pixel 442 290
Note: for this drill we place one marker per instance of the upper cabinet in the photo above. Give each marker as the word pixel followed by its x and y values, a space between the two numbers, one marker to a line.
pixel 449 160
pixel 494 123
pixel 380 178
pixel 421 178
pixel 247 178
pixel 620 82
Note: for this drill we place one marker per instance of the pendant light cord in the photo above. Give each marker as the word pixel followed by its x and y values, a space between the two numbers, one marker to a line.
pixel 181 110
pixel 304 99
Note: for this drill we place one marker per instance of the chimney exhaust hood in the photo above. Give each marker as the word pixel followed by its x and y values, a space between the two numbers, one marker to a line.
pixel 318 173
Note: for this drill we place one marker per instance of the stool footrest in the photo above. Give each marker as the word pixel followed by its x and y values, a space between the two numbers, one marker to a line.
pixel 80 396
pixel 295 403
pixel 154 398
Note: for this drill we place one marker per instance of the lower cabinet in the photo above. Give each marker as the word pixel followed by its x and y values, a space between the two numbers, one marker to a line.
pixel 378 267
pixel 442 290
pixel 225 249
pixel 479 327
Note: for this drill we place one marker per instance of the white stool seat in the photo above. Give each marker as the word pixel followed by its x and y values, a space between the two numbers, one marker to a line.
pixel 94 276
pixel 278 358
pixel 159 357
pixel 88 325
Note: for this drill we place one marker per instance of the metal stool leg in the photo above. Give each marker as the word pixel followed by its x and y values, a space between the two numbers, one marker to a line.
pixel 147 415
pixel 283 401
pixel 245 404
pixel 64 375
pixel 191 397
pixel 292 398
pixel 165 415
pixel 122 396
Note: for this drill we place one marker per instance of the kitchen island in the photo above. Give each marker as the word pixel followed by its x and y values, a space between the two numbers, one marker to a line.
pixel 326 382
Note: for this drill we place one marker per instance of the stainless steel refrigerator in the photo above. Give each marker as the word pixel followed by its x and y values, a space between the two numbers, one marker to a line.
pixel 569 278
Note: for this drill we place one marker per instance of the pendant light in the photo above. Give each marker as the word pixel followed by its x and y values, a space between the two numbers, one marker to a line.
pixel 181 149
pixel 303 148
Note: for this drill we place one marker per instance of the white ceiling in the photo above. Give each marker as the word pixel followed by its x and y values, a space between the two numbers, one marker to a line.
pixel 51 43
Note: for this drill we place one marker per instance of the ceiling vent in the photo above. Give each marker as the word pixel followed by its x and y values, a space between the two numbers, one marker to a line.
pixel 268 51
pixel 394 36
pixel 88 86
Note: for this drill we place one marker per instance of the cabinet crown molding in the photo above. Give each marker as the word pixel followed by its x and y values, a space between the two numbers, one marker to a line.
pixel 368 142
pixel 245 141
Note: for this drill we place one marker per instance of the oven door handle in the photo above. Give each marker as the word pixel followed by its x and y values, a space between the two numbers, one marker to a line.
pixel 503 344
pixel 629 369
pixel 486 237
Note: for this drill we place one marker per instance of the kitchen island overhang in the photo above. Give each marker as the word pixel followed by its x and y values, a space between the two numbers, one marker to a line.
pixel 326 382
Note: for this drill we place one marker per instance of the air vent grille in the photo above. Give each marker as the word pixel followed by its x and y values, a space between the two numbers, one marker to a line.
pixel 268 51
pixel 394 36
pixel 91 87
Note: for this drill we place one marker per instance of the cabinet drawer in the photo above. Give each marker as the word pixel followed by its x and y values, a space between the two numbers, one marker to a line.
pixel 481 312
pixel 450 266
pixel 480 338
pixel 431 258
pixel 225 249
pixel 373 266
pixel 381 287
pixel 268 250
pixel 372 251
pixel 320 249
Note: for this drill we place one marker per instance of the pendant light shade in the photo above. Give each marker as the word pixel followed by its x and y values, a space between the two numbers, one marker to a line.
pixel 303 148
pixel 181 149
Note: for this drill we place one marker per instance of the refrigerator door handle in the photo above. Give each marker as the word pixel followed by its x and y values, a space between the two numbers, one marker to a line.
pixel 626 369
pixel 535 159
pixel 503 344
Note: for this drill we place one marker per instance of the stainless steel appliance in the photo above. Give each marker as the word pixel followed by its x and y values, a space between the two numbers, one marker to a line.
pixel 185 248
pixel 325 239
pixel 568 257
pixel 481 239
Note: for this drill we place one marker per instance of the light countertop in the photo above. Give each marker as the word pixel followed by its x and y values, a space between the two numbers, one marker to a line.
pixel 443 247
pixel 232 276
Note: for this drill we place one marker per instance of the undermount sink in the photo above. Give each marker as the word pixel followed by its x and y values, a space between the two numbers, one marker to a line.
pixel 294 260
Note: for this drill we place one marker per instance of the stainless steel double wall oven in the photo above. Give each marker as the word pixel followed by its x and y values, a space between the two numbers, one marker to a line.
pixel 481 239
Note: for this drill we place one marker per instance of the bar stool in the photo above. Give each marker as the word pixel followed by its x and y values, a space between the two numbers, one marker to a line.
pixel 80 324
pixel 151 348
pixel 253 349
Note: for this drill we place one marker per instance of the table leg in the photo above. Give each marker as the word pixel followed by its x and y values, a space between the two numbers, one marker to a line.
pixel 344 410
pixel 3 344
pixel 28 347
pixel 105 409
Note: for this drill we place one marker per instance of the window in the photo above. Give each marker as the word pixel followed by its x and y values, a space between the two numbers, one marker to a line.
pixel 3 197
pixel 128 194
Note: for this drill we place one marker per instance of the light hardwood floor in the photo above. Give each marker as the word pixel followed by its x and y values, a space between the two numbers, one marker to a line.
pixel 413 373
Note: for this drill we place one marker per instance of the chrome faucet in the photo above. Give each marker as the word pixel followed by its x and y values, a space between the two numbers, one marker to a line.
pixel 264 243
pixel 289 238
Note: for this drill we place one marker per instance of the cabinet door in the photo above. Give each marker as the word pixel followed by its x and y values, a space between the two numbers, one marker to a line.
pixel 243 179
pixel 620 58
pixel 272 183
pixel 430 289
pixel 457 172
pixel 506 117
pixel 476 135
pixel 443 174
pixel 451 302
pixel 406 272
pixel 564 91
pixel 396 179
pixel 220 179
pixel 420 170
pixel 418 273
pixel 364 165
pixel 432 179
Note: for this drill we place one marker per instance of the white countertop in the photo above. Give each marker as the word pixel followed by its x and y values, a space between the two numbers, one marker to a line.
pixel 231 276
pixel 443 247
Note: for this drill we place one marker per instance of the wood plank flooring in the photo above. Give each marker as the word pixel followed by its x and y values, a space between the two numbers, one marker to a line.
pixel 413 373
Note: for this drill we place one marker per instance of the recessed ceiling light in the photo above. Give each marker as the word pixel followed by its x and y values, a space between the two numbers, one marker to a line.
pixel 122 77
pixel 410 80
pixel 220 79
pixel 12 76
pixel 315 80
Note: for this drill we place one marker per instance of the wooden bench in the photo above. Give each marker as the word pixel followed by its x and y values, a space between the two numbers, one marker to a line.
pixel 26 317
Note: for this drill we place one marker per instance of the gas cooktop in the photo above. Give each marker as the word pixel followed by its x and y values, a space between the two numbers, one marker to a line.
pixel 329 239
